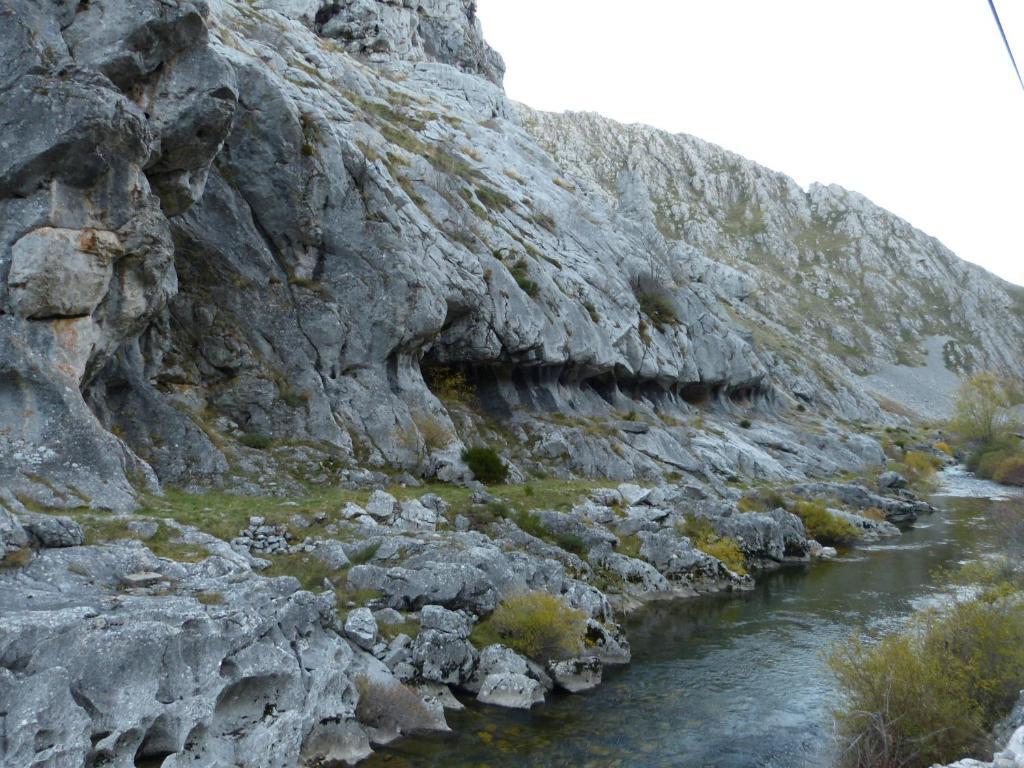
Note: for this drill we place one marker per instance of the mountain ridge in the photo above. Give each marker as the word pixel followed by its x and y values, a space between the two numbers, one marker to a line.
pixel 304 165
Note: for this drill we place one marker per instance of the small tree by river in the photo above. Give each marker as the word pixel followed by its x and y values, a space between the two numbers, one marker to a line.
pixel 984 410
pixel 985 419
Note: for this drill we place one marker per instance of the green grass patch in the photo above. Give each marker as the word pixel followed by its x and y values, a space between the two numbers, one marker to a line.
pixel 166 542
pixel 535 624
pixel 725 548
pixel 822 526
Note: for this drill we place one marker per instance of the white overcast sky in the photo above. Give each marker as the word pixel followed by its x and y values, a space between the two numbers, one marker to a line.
pixel 912 102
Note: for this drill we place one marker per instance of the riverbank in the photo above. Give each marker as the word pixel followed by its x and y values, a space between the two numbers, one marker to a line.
pixel 390 587
pixel 712 679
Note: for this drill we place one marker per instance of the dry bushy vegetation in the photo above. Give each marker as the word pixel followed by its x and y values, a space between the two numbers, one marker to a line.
pixel 822 526
pixel 933 692
pixel 986 420
pixel 536 624
pixel 391 706
pixel 725 548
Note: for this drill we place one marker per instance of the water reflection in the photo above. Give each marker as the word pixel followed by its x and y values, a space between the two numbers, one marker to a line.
pixel 726 681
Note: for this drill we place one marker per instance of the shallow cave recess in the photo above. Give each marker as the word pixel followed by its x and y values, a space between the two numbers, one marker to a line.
pixel 500 390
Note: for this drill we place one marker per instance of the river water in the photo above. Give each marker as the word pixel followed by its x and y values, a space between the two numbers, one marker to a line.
pixel 729 681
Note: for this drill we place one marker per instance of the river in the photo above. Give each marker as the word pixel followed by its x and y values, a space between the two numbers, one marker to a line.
pixel 729 681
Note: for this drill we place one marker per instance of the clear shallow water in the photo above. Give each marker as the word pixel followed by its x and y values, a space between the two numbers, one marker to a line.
pixel 728 681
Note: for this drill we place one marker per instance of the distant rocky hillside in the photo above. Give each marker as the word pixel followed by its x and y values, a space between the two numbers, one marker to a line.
pixel 823 270
pixel 256 244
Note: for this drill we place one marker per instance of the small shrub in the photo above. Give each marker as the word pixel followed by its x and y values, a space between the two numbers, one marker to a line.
pixel 746 424
pixel 391 706
pixel 923 465
pixel 944 447
pixel 629 545
pixel 520 271
pixel 986 460
pixel 822 525
pixel 258 440
pixel 933 692
pixel 210 598
pixel 530 523
pixel 545 220
pixel 656 304
pixel 535 624
pixel 364 555
pixel 762 501
pixel 493 199
pixel 570 542
pixel 17 559
pixel 486 465
pixel 725 548
pixel 1010 471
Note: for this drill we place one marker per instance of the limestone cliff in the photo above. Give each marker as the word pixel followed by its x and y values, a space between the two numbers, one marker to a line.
pixel 237 240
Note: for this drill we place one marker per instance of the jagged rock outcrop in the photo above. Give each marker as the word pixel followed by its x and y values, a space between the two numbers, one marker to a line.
pixel 822 268
pixel 93 672
pixel 230 224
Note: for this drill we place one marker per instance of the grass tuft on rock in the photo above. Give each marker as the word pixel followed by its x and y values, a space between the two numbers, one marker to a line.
pixel 725 548
pixel 16 559
pixel 822 526
pixel 536 624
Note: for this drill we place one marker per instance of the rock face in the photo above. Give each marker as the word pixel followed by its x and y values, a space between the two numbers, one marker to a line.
pixel 230 225
pixel 258 680
pixel 819 269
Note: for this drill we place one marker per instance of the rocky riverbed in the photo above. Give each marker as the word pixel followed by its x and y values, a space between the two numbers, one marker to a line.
pixel 109 652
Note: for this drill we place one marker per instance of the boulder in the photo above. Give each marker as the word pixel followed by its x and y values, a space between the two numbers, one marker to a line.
pixel 498 659
pixel 414 516
pixel 361 628
pixel 382 506
pixel 608 642
pixel 61 272
pixel 452 585
pixel 776 535
pixel 332 554
pixel 441 652
pixel 511 690
pixel 888 481
pixel 571 527
pixel 12 535
pixel 632 494
pixel 638 576
pixel 51 531
pixel 575 675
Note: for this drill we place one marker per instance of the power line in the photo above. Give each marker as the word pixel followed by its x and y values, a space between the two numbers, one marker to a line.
pixel 995 14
